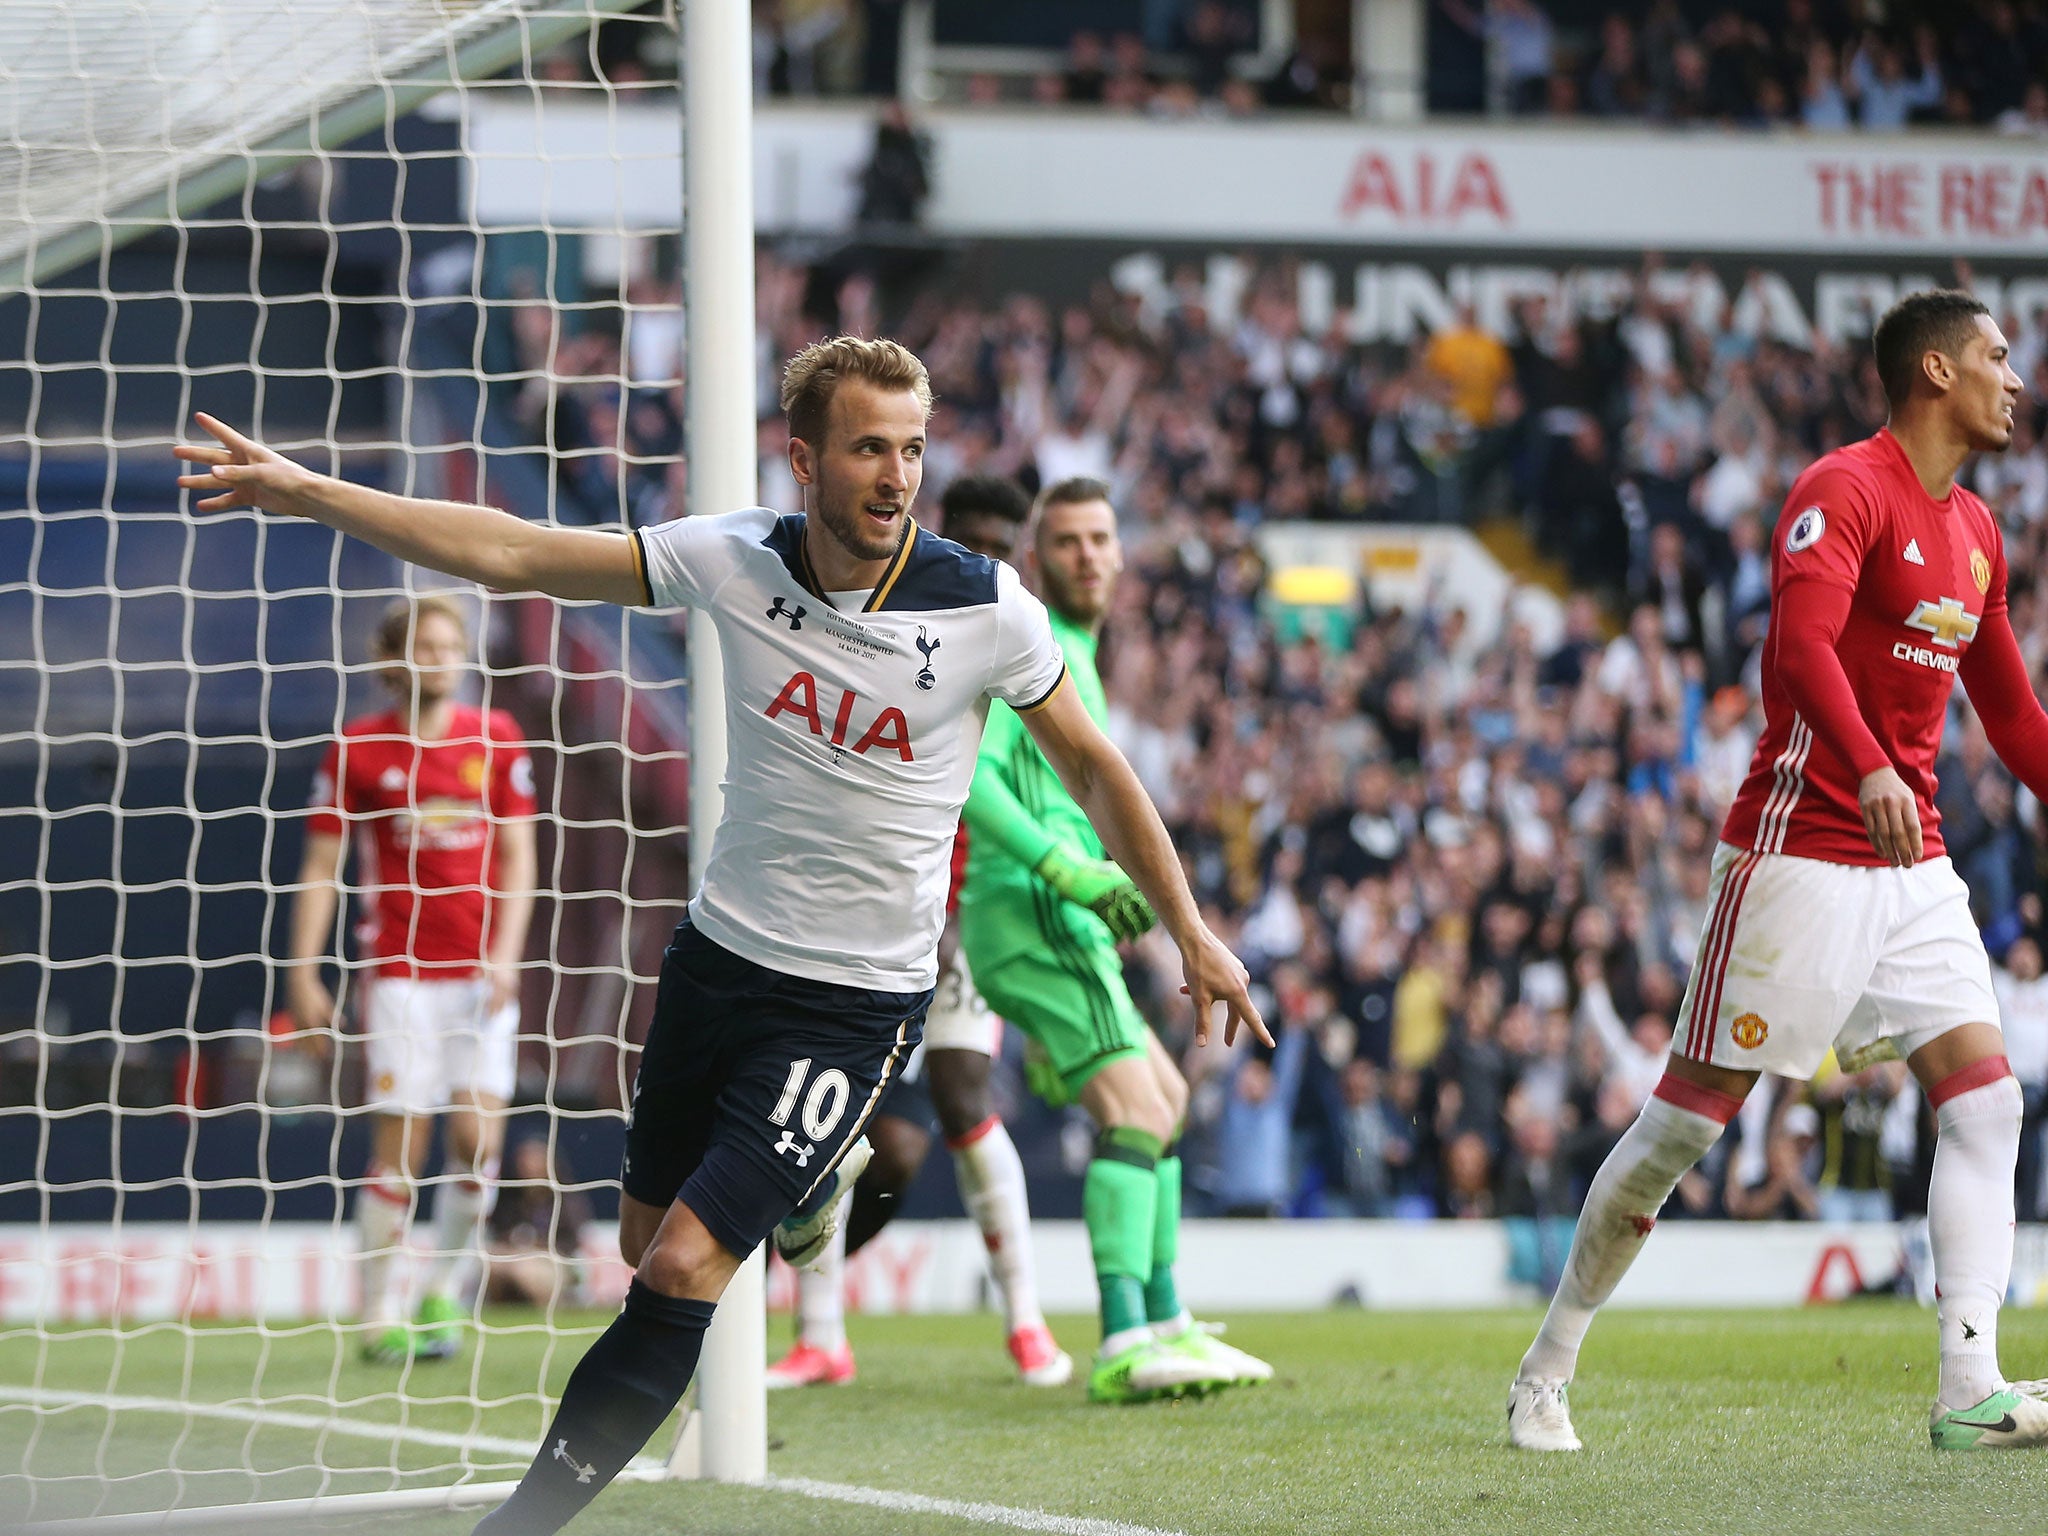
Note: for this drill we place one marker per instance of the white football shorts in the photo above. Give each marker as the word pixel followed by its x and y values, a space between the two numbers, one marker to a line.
pixel 1798 955
pixel 959 1018
pixel 429 1041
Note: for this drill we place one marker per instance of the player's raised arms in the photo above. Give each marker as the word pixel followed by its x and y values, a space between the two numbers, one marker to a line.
pixel 482 544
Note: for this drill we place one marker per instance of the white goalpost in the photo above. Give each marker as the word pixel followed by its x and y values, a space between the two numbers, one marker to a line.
pixel 399 240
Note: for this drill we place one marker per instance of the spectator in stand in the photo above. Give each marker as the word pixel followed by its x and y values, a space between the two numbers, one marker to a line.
pixel 1786 1191
pixel 1371 1140
pixel 1472 365
pixel 1521 44
pixel 1616 85
pixel 1087 74
pixel 1855 1181
pixel 1885 97
pixel 1675 585
pixel 1466 1192
pixel 1214 32
pixel 2023 1017
pixel 894 183
pixel 1254 1169
pixel 1823 103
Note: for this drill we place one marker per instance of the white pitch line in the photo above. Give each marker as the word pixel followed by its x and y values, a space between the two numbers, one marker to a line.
pixel 368 1429
pixel 959 1509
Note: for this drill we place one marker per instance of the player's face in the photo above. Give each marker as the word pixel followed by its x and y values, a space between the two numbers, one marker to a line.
pixel 985 534
pixel 864 476
pixel 1986 388
pixel 1078 556
pixel 433 669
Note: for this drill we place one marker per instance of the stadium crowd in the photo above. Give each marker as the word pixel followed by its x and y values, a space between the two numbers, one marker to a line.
pixel 1469 869
pixel 1819 64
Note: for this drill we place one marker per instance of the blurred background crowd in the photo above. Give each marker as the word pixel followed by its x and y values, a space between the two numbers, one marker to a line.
pixel 1821 64
pixel 1468 869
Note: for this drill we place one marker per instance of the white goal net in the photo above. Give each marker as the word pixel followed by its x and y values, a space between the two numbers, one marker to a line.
pixel 272 212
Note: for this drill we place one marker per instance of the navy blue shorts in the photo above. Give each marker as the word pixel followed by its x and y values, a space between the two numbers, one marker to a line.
pixel 753 1083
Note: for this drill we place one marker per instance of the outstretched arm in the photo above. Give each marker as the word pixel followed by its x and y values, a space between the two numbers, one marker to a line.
pixel 480 543
pixel 1104 786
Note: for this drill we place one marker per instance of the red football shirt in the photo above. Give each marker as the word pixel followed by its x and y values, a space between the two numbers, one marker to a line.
pixel 1921 575
pixel 423 813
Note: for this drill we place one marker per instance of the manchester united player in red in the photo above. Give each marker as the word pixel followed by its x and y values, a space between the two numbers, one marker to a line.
pixel 1835 919
pixel 439 795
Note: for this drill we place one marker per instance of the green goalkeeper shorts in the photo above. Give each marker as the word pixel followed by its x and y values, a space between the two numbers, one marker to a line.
pixel 1072 1005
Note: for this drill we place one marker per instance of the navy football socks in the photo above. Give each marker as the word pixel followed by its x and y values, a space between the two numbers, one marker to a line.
pixel 621 1390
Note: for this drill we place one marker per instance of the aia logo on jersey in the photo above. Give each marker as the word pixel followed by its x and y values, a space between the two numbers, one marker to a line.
pixel 1807 528
pixel 887 731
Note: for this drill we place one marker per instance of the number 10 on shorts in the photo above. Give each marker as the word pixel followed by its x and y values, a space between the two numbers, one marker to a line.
pixel 824 1105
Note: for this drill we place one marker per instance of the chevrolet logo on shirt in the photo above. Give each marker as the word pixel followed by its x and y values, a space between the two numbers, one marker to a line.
pixel 1946 620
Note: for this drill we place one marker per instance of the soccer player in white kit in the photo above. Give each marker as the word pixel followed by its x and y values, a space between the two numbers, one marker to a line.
pixel 947 1082
pixel 859 654
pixel 1835 919
pixel 438 796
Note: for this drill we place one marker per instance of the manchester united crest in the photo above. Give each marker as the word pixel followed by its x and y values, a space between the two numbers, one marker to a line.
pixel 1748 1031
pixel 1980 569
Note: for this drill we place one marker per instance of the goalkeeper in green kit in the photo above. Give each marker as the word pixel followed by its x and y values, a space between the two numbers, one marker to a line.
pixel 1041 914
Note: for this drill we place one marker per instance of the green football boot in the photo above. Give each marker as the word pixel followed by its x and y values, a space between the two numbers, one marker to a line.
pixel 2006 1420
pixel 393 1346
pixel 1147 1371
pixel 1227 1365
pixel 437 1334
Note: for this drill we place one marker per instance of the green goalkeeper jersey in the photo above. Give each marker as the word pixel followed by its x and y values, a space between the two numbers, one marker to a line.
pixel 1005 909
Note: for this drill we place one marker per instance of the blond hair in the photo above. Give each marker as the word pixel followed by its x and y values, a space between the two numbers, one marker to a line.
pixel 813 375
pixel 392 640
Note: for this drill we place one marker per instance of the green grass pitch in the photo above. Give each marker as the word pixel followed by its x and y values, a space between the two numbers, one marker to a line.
pixel 1808 1421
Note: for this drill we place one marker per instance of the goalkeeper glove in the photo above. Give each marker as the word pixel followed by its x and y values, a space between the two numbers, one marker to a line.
pixel 1102 888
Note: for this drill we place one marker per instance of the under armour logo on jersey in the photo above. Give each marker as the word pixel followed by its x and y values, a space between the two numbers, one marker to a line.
pixel 802 1149
pixel 1913 552
pixel 794 615
pixel 925 676
pixel 584 1471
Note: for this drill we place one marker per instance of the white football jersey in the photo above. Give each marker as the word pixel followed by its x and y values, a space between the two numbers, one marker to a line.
pixel 852 723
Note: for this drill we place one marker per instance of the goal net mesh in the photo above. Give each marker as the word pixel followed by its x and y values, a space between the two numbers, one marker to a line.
pixel 405 241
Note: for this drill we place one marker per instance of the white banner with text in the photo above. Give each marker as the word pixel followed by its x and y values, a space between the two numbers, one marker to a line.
pixel 566 162
pixel 71 1275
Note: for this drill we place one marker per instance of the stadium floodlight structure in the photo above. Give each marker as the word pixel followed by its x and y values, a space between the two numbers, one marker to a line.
pixel 197 199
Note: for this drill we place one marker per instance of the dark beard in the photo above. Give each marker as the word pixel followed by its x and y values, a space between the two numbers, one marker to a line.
pixel 847 527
